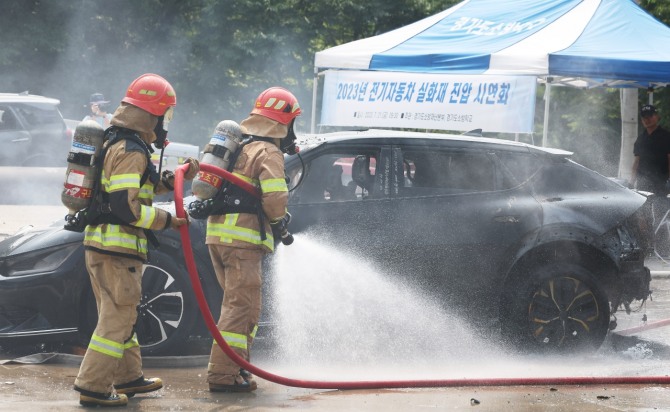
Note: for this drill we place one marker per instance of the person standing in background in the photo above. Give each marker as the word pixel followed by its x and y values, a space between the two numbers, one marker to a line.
pixel 651 165
pixel 99 107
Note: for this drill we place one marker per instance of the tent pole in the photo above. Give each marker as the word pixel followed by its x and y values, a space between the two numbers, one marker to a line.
pixel 547 101
pixel 314 92
pixel 629 121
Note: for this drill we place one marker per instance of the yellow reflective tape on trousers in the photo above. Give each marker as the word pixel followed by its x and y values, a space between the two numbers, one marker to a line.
pixel 253 332
pixel 234 340
pixel 132 342
pixel 229 231
pixel 106 346
pixel 112 236
pixel 273 185
pixel 124 181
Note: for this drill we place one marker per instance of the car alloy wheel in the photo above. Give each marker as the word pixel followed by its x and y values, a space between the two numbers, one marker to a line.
pixel 559 308
pixel 562 311
pixel 167 310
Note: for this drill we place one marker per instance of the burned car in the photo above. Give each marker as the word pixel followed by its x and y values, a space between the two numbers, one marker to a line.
pixel 507 233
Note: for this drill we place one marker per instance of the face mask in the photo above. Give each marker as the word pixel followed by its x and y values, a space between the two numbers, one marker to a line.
pixel 287 144
pixel 162 127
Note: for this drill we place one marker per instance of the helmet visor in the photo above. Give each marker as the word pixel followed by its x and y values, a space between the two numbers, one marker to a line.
pixel 167 117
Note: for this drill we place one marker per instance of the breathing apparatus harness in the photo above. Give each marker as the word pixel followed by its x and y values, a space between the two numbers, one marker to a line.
pixel 230 198
pixel 99 210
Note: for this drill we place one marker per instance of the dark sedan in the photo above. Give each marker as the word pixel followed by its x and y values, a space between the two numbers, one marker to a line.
pixel 503 231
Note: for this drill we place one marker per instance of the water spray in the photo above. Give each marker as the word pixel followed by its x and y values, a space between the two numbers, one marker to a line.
pixel 343 385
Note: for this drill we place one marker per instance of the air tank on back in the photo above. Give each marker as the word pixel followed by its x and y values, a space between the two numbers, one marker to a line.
pixel 82 170
pixel 218 152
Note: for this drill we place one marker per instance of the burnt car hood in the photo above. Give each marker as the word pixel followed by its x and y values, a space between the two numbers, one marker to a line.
pixel 598 211
pixel 35 239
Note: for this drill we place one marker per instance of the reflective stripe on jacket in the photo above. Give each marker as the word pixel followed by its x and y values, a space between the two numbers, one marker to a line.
pixel 121 176
pixel 262 164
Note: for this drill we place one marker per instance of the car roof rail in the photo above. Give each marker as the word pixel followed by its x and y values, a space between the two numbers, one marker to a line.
pixel 473 132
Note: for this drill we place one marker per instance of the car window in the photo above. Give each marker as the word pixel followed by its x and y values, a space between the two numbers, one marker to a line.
pixel 565 176
pixel 36 114
pixel 517 168
pixel 334 177
pixel 437 172
pixel 7 119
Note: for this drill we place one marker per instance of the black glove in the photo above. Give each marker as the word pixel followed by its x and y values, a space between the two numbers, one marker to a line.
pixel 200 209
pixel 280 229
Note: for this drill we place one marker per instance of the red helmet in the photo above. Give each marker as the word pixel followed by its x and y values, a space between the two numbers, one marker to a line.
pixel 277 104
pixel 152 93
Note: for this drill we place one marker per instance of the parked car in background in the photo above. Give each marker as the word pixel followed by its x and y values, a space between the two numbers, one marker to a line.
pixel 505 233
pixel 32 131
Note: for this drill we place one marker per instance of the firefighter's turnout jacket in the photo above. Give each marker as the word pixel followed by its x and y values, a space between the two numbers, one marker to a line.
pixel 262 164
pixel 124 165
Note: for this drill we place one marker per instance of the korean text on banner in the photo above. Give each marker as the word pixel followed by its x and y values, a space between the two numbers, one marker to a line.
pixel 504 104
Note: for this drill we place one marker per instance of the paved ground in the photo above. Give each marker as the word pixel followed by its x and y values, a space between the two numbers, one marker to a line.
pixel 46 386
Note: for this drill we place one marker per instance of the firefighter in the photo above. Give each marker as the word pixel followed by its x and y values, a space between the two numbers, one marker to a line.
pixel 235 240
pixel 116 242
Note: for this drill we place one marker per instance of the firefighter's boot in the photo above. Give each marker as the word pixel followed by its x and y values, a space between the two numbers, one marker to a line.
pixel 247 376
pixel 139 385
pixel 239 385
pixel 88 398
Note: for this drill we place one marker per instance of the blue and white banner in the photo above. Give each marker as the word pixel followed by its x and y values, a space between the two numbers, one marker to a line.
pixel 595 40
pixel 503 104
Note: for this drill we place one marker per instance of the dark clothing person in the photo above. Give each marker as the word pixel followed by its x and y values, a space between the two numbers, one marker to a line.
pixel 651 168
pixel 653 150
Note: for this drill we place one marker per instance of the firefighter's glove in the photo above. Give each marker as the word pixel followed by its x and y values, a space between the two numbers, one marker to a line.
pixel 193 168
pixel 280 229
pixel 175 222
pixel 200 209
pixel 167 179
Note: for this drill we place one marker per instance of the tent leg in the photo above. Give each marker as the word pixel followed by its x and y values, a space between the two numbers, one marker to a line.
pixel 314 93
pixel 547 102
pixel 629 122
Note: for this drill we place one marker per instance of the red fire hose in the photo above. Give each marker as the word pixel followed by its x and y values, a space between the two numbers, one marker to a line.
pixel 211 325
pixel 648 326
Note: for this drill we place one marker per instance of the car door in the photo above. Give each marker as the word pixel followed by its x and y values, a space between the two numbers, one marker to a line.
pixel 337 196
pixel 460 220
pixel 14 139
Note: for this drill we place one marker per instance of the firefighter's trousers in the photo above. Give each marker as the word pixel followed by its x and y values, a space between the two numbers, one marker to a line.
pixel 113 355
pixel 239 274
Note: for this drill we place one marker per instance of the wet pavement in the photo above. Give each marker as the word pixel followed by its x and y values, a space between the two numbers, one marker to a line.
pixel 48 387
pixel 44 382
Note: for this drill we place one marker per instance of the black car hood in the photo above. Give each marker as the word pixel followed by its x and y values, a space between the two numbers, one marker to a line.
pixel 35 239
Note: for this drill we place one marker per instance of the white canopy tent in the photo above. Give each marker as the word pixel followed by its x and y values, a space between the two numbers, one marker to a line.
pixel 584 43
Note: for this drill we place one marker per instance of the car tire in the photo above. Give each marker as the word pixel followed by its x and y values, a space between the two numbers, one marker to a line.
pixel 167 313
pixel 559 309
pixel 168 310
